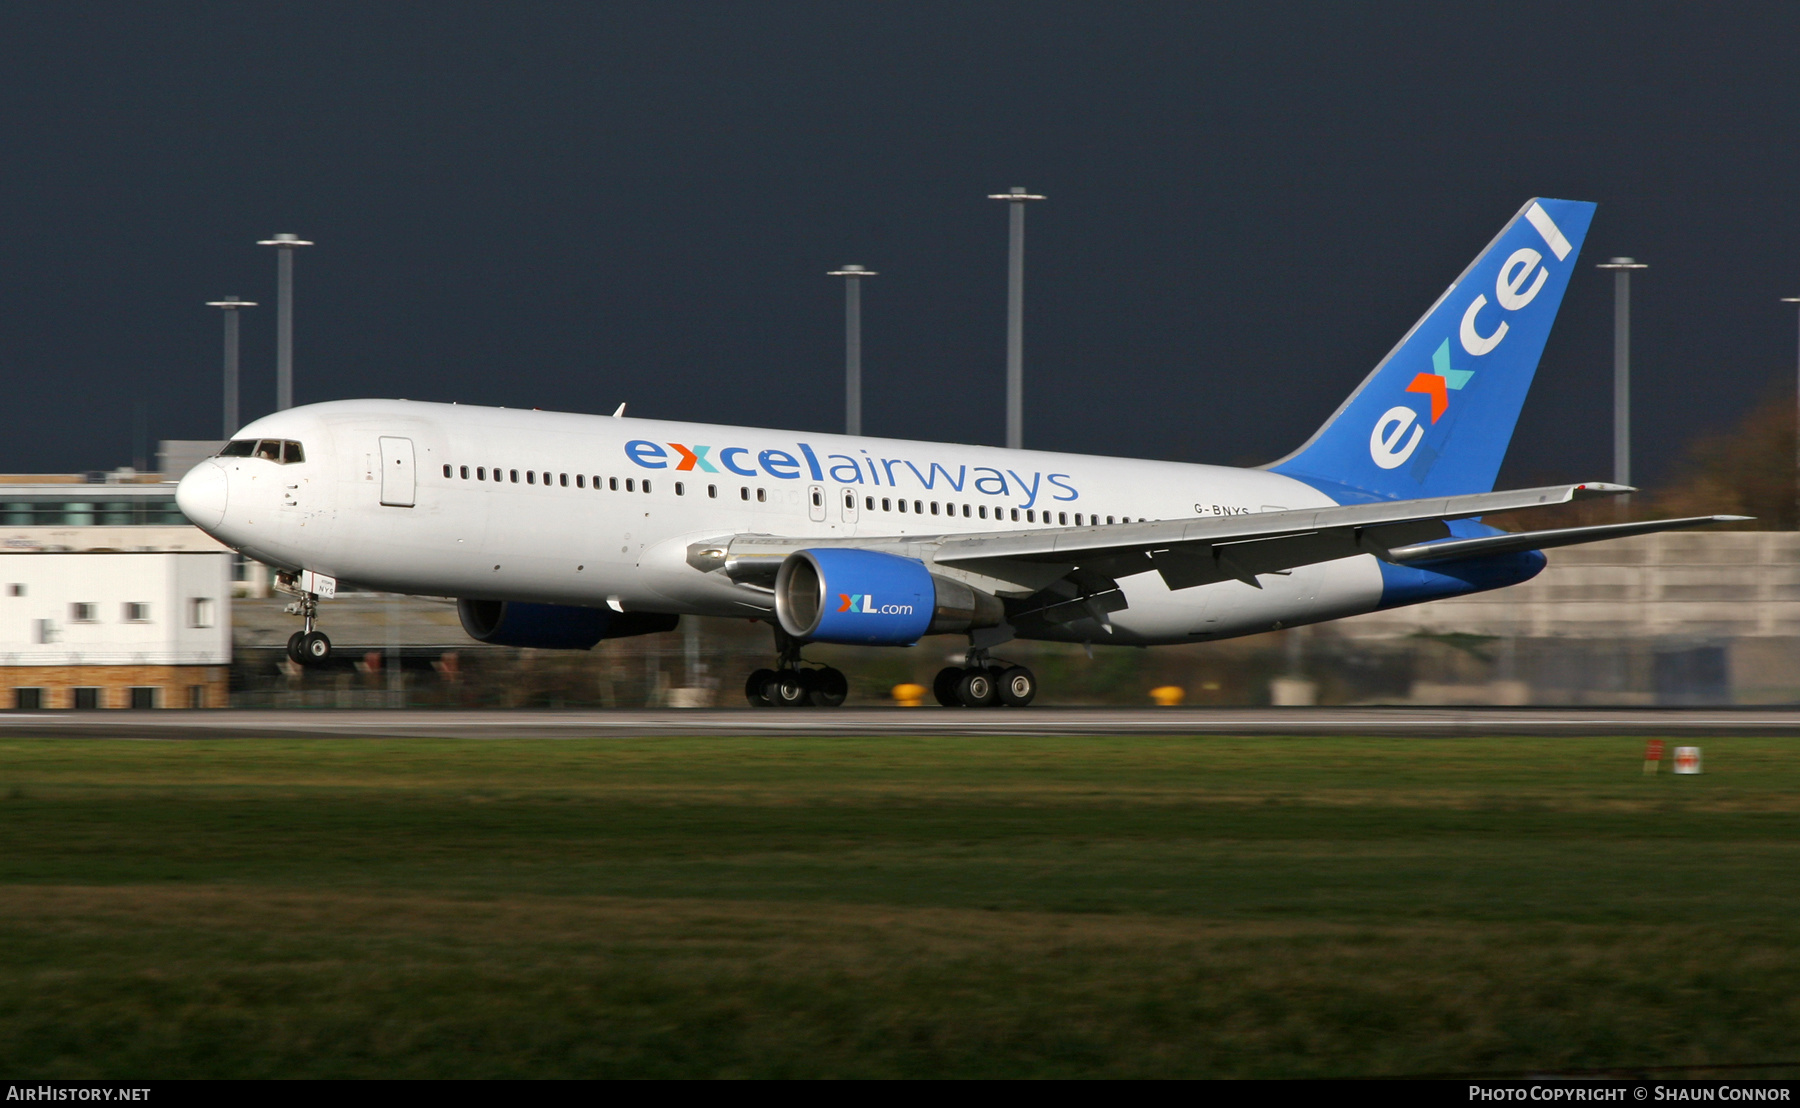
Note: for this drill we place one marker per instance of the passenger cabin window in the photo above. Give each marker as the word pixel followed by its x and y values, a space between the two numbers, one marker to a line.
pixel 446 470
pixel 515 475
pixel 580 481
pixel 646 484
pixel 465 473
pixel 761 495
pixel 712 491
pixel 680 488
pixel 561 479
pixel 531 477
pixel 480 473
pixel 630 484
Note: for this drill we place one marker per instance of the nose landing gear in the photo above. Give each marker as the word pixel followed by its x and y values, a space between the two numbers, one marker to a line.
pixel 983 682
pixel 307 647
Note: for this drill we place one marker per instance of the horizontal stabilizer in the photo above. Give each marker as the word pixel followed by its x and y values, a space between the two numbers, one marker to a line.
pixel 1542 540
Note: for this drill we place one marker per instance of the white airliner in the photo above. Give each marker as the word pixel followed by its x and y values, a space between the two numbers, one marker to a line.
pixel 557 530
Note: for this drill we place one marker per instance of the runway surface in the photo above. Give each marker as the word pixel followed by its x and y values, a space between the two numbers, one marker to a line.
pixel 1423 722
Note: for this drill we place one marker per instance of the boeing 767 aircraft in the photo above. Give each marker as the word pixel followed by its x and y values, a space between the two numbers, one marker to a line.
pixel 557 530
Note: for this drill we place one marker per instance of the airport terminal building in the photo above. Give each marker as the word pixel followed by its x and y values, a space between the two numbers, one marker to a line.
pixel 109 598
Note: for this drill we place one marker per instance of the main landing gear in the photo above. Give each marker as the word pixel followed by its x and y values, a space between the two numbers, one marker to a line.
pixel 982 682
pixel 791 686
pixel 307 647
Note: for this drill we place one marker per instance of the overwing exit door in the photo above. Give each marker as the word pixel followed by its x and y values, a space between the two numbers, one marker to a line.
pixel 397 472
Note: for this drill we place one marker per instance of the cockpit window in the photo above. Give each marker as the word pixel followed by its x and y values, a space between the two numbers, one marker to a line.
pixel 281 451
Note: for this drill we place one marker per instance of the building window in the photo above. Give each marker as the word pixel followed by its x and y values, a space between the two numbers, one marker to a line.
pixel 15 590
pixel 200 612
pixel 28 699
pixel 137 612
pixel 43 630
pixel 86 698
pixel 196 696
pixel 144 696
pixel 82 613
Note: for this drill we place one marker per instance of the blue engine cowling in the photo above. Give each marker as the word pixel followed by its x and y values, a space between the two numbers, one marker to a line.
pixel 554 626
pixel 867 598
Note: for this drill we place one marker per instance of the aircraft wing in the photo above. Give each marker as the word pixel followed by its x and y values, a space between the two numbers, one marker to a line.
pixel 1188 552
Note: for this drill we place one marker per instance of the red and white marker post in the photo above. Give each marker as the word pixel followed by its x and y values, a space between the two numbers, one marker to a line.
pixel 1653 756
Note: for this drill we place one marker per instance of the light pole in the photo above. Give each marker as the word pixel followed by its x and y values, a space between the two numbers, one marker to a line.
pixel 853 278
pixel 284 316
pixel 1796 300
pixel 1622 268
pixel 231 306
pixel 1015 316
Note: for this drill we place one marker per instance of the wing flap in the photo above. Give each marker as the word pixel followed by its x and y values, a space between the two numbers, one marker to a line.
pixel 1543 540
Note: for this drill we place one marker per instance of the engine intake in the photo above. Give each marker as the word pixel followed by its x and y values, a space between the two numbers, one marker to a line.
pixel 867 598
pixel 554 626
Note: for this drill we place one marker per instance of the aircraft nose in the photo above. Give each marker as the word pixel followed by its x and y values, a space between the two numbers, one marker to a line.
pixel 201 495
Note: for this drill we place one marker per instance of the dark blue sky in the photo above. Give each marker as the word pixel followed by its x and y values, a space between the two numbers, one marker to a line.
pixel 567 206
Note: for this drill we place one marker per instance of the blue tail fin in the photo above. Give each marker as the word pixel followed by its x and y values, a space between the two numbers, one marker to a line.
pixel 1435 416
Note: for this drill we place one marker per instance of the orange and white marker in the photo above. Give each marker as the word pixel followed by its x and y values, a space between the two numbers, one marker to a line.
pixel 1653 756
pixel 1687 759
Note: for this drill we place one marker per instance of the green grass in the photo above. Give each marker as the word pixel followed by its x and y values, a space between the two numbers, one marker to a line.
pixel 872 907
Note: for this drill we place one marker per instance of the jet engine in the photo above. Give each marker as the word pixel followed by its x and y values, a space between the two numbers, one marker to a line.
pixel 868 598
pixel 554 626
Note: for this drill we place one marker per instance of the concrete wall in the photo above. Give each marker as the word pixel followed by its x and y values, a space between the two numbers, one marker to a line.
pixel 186 620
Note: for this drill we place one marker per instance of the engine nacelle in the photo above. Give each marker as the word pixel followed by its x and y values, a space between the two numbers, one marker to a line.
pixel 554 626
pixel 867 598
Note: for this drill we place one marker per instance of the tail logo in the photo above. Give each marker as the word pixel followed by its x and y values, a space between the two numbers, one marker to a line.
pixel 1397 433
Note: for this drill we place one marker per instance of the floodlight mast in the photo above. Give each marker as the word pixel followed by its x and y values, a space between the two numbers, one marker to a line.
pixel 1796 301
pixel 231 305
pixel 1015 315
pixel 853 275
pixel 1622 268
pixel 284 316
